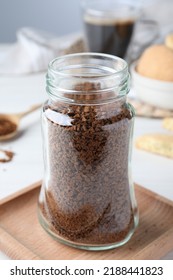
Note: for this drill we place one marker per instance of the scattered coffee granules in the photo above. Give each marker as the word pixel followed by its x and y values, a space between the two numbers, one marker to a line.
pixel 6 156
pixel 87 194
pixel 6 127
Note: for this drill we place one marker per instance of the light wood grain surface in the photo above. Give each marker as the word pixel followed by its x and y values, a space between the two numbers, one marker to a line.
pixel 22 237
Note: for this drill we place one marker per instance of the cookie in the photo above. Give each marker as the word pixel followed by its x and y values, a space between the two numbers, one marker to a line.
pixel 169 41
pixel 168 123
pixel 160 144
pixel 156 62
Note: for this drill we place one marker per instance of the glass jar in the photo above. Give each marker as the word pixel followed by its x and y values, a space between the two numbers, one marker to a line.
pixel 87 197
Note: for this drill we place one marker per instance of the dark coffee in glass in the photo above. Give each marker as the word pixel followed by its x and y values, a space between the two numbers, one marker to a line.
pixel 108 35
pixel 109 25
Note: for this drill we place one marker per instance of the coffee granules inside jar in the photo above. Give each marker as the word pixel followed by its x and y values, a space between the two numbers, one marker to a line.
pixel 7 127
pixel 88 197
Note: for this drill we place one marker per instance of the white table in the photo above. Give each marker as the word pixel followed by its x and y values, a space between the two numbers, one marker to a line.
pixel 151 171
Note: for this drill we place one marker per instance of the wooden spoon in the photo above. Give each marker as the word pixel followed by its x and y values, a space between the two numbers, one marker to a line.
pixel 14 120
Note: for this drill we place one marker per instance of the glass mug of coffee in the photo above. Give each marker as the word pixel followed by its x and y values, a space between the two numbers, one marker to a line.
pixel 109 25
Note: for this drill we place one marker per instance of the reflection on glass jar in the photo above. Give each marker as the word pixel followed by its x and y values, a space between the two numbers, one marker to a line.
pixel 87 197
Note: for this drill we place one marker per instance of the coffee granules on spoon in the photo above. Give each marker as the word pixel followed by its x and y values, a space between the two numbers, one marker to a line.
pixel 6 127
pixel 87 198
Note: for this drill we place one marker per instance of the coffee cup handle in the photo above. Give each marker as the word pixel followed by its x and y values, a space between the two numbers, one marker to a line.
pixel 146 32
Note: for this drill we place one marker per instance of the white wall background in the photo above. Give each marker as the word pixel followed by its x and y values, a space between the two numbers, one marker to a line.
pixel 61 16
pixel 57 16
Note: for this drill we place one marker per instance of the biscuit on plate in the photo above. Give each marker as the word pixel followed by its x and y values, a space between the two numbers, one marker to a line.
pixel 168 123
pixel 156 62
pixel 169 41
pixel 160 144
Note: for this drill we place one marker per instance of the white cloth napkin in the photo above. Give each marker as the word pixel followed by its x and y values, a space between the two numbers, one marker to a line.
pixel 34 49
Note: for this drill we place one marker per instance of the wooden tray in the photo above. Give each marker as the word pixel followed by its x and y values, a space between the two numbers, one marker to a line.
pixel 22 237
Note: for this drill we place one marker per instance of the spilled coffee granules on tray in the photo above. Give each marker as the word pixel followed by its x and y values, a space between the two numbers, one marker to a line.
pixel 6 127
pixel 87 197
pixel 6 156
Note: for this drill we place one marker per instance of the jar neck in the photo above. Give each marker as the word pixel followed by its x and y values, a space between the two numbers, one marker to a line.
pixel 88 78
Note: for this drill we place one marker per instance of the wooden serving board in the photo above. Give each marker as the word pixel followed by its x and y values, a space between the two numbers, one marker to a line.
pixel 22 237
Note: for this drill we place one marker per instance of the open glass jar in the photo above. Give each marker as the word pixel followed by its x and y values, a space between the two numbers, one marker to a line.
pixel 87 197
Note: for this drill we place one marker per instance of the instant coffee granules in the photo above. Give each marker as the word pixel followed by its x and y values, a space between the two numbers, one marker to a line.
pixel 87 199
pixel 6 127
pixel 6 156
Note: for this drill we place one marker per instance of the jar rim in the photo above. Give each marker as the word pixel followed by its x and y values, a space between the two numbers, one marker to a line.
pixel 69 76
pixel 111 74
